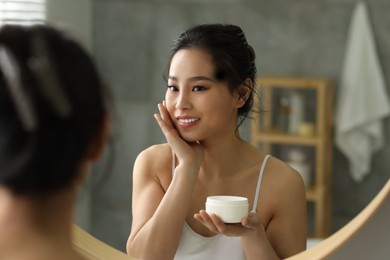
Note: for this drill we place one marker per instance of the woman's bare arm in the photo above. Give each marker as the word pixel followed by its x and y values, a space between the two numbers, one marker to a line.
pixel 287 230
pixel 159 216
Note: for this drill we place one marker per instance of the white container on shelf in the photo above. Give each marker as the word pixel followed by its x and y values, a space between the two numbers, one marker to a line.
pixel 231 209
pixel 296 114
pixel 296 158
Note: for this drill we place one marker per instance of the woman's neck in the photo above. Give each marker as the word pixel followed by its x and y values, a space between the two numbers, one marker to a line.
pixel 36 228
pixel 229 155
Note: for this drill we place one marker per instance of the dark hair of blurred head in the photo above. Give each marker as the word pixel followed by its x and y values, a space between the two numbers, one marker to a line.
pixel 52 104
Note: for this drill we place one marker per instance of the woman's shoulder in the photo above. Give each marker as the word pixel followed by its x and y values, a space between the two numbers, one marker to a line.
pixel 157 148
pixel 154 160
pixel 155 154
pixel 283 180
pixel 277 166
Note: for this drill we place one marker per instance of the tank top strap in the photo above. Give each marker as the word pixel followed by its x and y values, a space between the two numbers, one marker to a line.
pixel 256 199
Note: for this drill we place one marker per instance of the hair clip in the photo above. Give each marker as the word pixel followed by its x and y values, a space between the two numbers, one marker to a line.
pixel 48 82
pixel 23 104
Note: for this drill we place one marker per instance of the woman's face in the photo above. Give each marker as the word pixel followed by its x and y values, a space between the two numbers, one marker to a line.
pixel 200 106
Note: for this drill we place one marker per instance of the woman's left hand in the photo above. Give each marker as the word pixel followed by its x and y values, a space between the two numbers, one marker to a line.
pixel 248 226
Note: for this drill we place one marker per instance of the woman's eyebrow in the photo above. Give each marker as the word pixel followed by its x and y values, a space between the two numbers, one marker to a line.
pixel 172 78
pixel 195 78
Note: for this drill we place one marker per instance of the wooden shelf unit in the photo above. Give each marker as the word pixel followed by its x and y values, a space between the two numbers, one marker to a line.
pixel 264 136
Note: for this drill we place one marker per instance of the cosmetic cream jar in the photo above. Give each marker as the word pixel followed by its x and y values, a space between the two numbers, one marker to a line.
pixel 306 129
pixel 231 209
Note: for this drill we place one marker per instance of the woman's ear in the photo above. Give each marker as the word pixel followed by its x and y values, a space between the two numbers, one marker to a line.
pixel 96 149
pixel 244 91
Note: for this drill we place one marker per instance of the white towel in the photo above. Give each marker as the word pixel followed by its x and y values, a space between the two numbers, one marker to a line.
pixel 363 102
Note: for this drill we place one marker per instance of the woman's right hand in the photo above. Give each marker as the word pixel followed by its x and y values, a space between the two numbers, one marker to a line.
pixel 186 152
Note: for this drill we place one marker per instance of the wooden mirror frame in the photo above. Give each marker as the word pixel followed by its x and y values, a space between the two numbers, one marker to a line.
pixel 93 248
pixel 335 243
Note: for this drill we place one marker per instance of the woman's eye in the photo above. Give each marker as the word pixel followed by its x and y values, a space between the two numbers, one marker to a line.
pixel 198 88
pixel 172 88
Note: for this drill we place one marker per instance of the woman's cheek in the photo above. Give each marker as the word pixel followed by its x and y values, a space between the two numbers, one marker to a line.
pixel 171 110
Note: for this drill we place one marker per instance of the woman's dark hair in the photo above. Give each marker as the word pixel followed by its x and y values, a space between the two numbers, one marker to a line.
pixel 233 57
pixel 52 105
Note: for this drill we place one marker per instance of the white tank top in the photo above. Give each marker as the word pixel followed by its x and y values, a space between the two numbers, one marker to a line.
pixel 218 247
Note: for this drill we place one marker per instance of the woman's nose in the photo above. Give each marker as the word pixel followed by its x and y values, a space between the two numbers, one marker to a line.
pixel 183 101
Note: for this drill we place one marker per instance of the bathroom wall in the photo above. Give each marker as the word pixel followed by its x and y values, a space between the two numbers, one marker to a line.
pixel 75 16
pixel 131 41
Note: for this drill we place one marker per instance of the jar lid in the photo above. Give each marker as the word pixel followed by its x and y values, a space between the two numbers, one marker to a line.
pixel 231 200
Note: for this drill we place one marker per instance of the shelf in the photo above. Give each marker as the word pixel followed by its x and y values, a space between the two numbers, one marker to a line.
pixel 314 192
pixel 317 95
pixel 311 194
pixel 293 82
pixel 275 137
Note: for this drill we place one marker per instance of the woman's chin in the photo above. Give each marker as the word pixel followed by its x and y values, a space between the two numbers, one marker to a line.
pixel 189 139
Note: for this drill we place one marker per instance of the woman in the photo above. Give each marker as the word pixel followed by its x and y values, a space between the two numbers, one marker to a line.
pixel 211 76
pixel 53 120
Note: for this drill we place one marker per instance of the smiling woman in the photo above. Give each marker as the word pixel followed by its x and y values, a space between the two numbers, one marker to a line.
pixel 210 76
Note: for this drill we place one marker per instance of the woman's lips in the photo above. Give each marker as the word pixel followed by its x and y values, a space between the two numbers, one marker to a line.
pixel 186 122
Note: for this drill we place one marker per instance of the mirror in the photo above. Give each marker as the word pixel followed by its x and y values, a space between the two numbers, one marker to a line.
pixel 131 40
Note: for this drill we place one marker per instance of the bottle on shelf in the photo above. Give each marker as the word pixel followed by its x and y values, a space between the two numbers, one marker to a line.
pixel 284 111
pixel 296 114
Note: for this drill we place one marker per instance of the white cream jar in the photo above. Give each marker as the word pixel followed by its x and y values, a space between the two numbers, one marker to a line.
pixel 231 209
